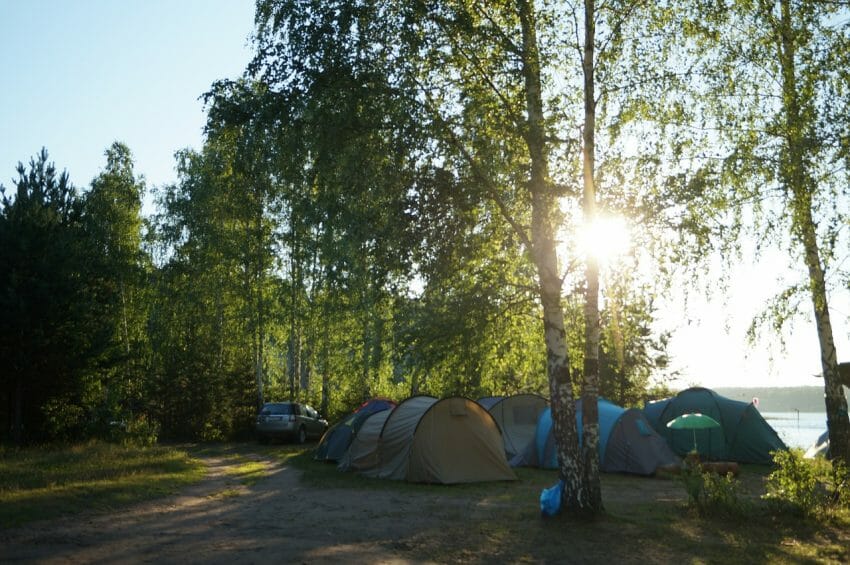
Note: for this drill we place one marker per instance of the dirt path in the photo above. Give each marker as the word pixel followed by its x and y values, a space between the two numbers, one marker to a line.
pixel 222 521
pixel 279 519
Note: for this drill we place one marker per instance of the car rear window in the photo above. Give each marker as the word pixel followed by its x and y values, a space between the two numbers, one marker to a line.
pixel 272 409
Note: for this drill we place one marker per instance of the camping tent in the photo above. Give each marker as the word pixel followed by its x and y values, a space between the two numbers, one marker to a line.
pixel 744 436
pixel 336 440
pixel 376 405
pixel 517 417
pixel 362 453
pixel 627 442
pixel 453 440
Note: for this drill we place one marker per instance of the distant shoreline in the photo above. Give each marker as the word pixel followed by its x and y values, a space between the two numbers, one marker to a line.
pixel 779 399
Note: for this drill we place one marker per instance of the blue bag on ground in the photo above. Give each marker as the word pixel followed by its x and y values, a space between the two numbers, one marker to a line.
pixel 550 499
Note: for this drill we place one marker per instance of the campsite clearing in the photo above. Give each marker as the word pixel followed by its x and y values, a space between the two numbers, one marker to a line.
pixel 306 511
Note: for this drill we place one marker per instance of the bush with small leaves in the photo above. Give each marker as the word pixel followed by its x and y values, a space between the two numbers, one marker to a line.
pixel 711 492
pixel 807 487
pixel 692 478
pixel 721 495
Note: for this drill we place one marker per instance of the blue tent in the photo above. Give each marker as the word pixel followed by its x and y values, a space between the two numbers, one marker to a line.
pixel 627 442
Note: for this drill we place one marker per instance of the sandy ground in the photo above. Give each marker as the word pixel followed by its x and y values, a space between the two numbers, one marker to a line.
pixel 221 521
pixel 276 520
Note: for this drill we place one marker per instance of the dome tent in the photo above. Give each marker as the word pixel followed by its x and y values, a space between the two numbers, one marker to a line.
pixel 744 436
pixel 627 442
pixel 453 440
pixel 362 453
pixel 337 439
pixel 517 417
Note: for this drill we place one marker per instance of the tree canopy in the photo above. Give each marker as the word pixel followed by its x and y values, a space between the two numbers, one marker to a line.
pixel 392 199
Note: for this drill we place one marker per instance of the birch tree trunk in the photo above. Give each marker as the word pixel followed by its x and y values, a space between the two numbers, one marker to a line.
pixel 296 284
pixel 801 185
pixel 260 305
pixel 544 213
pixel 590 389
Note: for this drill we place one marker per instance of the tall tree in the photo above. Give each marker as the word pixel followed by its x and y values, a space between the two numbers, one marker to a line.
pixel 590 388
pixel 482 85
pixel 792 29
pixel 609 31
pixel 578 493
pixel 202 325
pixel 52 323
pixel 113 219
pixel 350 172
pixel 235 126
pixel 774 83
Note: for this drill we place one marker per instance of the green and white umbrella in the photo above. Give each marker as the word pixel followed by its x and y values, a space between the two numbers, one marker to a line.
pixel 695 421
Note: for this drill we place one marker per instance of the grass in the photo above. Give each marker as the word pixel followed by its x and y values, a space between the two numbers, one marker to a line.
pixel 242 464
pixel 248 473
pixel 41 483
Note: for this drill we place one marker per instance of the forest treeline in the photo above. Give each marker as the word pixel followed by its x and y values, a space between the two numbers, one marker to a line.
pixel 178 325
pixel 379 199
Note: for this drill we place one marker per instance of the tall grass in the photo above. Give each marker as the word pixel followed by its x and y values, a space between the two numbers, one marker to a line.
pixel 46 482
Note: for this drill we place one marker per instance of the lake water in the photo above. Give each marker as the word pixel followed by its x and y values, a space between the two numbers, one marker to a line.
pixel 797 429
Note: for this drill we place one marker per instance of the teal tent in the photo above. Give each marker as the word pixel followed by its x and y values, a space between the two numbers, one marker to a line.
pixel 744 435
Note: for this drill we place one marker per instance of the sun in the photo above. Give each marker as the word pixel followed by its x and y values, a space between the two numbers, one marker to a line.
pixel 607 239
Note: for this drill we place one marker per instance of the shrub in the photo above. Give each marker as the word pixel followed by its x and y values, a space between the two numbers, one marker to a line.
pixel 63 420
pixel 138 431
pixel 711 493
pixel 692 479
pixel 807 487
pixel 141 431
pixel 721 495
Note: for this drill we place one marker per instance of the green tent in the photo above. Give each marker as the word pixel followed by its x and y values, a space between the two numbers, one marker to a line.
pixel 744 435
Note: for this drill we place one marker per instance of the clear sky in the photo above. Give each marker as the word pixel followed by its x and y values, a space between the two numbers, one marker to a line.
pixel 76 75
pixel 709 332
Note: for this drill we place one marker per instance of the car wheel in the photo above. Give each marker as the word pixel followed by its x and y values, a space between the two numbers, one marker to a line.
pixel 302 435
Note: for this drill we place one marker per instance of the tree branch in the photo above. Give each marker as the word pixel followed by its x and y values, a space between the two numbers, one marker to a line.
pixel 489 184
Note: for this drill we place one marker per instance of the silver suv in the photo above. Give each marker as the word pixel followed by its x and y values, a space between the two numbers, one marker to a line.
pixel 289 420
